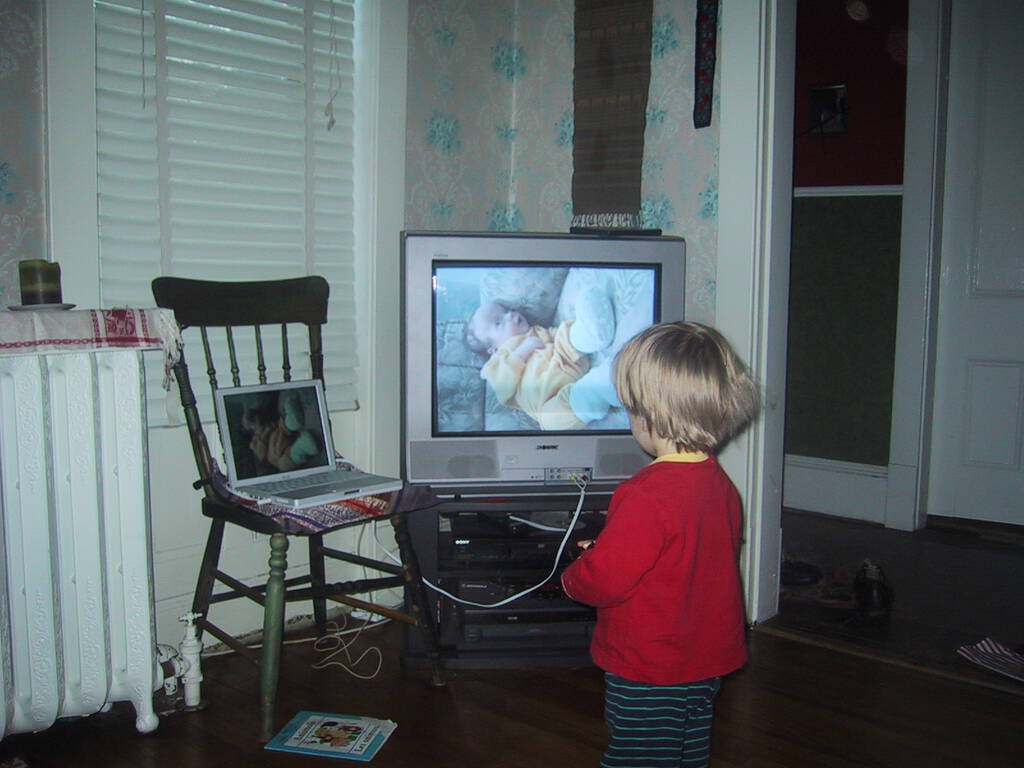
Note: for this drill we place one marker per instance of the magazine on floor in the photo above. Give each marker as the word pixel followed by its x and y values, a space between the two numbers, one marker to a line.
pixel 995 656
pixel 331 735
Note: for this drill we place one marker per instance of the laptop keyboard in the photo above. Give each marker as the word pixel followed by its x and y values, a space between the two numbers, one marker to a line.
pixel 297 483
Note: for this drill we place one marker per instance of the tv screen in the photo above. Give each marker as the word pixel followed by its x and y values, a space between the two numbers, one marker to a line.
pixel 508 343
pixel 544 337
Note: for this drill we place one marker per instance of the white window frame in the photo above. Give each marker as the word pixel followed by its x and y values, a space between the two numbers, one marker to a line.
pixel 72 215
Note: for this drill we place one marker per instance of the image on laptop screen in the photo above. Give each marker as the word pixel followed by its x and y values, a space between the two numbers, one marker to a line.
pixel 273 431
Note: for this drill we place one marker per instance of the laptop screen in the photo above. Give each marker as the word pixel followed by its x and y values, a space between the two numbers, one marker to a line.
pixel 274 431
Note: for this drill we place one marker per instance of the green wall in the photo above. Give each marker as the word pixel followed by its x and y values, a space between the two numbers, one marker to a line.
pixel 844 279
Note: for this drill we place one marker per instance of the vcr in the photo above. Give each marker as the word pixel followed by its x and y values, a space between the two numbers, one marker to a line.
pixel 483 553
pixel 526 616
pixel 527 539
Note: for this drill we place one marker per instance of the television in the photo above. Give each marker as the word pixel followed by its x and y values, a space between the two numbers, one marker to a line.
pixel 487 412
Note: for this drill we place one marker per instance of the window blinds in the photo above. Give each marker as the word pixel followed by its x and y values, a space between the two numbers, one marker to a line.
pixel 225 152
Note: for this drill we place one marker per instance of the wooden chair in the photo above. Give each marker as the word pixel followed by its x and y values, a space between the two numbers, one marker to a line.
pixel 246 313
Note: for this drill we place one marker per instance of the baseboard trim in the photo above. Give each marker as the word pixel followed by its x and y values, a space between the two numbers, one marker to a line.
pixel 838 488
pixel 840 646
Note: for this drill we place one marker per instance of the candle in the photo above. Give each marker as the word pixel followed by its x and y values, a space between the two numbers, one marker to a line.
pixel 40 281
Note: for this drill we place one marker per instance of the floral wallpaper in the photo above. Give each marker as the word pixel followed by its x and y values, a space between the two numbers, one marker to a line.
pixel 490 125
pixel 679 192
pixel 22 186
pixel 489 142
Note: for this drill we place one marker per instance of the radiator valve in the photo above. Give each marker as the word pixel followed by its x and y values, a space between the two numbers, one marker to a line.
pixel 192 674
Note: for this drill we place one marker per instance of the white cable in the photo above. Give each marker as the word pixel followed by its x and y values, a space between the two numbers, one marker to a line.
pixel 334 644
pixel 370 596
pixel 387 552
pixel 554 567
pixel 538 526
pixel 371 624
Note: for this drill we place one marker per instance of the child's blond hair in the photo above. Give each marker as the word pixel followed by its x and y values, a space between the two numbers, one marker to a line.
pixel 687 384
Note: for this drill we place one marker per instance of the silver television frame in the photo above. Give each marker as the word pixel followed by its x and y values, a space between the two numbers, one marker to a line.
pixel 485 463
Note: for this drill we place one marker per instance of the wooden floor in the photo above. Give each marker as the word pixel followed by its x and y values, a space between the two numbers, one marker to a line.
pixel 954 582
pixel 794 705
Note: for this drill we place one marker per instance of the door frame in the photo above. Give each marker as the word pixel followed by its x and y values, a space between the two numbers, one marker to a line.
pixel 752 281
pixel 896 495
pixel 920 248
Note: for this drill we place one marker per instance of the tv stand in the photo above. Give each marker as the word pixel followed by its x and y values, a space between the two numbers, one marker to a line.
pixel 485 549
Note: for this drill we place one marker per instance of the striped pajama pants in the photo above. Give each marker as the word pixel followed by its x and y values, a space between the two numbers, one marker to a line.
pixel 658 726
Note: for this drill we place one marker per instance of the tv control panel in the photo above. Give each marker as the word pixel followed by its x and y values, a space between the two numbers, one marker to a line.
pixel 572 475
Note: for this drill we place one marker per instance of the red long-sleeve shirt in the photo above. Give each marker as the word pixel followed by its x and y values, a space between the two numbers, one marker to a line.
pixel 664 576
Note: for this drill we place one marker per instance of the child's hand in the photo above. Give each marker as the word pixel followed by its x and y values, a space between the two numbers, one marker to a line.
pixel 527 347
pixel 584 545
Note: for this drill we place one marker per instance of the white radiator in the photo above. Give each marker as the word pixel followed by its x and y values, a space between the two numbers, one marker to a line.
pixel 76 609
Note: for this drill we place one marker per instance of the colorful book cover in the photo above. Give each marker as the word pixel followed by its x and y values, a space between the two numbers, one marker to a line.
pixel 330 735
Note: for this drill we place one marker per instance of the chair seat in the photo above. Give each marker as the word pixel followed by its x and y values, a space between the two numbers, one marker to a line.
pixel 322 518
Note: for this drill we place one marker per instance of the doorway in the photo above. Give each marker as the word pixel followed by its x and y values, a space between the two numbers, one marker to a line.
pixel 948 584
pixel 896 495
pixel 845 256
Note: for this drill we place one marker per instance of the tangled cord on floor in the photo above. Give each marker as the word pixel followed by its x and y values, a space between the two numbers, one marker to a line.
pixel 336 642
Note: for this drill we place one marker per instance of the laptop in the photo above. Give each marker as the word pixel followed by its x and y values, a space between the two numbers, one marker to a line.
pixel 278 447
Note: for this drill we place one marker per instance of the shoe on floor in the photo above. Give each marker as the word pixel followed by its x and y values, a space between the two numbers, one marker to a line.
pixel 796 573
pixel 872 595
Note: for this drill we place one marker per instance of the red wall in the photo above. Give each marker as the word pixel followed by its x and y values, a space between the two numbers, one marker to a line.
pixel 869 56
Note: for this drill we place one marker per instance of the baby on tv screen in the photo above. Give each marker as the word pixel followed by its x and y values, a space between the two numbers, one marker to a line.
pixel 529 348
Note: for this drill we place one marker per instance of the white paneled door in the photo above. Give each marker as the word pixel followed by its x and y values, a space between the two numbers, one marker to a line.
pixel 976 457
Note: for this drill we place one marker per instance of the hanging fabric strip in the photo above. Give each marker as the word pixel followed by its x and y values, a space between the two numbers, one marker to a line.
pixel 704 63
pixel 629 221
pixel 610 84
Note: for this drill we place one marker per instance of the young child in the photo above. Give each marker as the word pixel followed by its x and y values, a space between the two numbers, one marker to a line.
pixel 544 371
pixel 664 573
